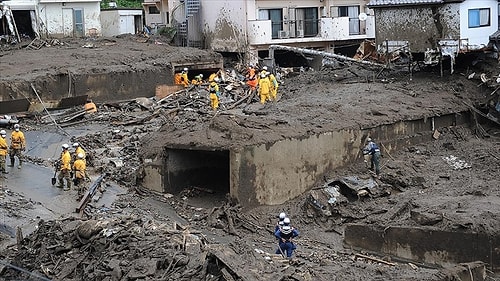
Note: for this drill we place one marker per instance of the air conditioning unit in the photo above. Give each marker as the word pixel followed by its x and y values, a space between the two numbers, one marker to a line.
pixel 283 34
pixel 300 33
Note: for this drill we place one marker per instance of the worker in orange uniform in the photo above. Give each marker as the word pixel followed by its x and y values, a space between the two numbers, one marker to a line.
pixel 80 172
pixel 90 107
pixel 251 78
pixel 182 77
pixel 264 88
pixel 17 146
pixel 213 89
pixel 64 164
pixel 3 151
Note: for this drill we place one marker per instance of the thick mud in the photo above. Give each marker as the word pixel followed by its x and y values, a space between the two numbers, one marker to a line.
pixel 199 235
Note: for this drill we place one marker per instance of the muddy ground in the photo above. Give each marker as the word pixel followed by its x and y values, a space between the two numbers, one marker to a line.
pixel 199 235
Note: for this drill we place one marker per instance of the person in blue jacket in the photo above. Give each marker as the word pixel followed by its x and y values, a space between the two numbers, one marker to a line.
pixel 285 235
pixel 373 150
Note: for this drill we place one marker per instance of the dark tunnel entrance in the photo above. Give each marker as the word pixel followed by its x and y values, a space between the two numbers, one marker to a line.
pixel 204 169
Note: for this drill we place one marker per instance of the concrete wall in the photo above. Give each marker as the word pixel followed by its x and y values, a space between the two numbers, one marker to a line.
pixel 224 24
pixel 98 86
pixel 271 174
pixel 421 25
pixel 57 17
pixel 427 245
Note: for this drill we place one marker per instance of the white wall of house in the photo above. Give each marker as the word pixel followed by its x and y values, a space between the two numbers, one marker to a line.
pixel 119 21
pixel 59 18
pixel 478 36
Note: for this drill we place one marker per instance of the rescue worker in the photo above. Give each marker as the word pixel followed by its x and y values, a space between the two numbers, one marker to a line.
pixel 251 78
pixel 213 89
pixel 264 88
pixel 79 171
pixel 373 150
pixel 214 75
pixel 279 224
pixel 3 151
pixel 78 149
pixel 198 80
pixel 65 168
pixel 17 146
pixel 182 77
pixel 285 235
pixel 90 107
pixel 274 86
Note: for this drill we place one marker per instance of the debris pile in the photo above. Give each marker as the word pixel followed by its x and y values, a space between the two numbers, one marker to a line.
pixel 120 249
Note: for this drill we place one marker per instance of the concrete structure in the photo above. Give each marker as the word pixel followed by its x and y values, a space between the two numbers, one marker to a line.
pixel 427 245
pixel 273 172
pixel 447 26
pixel 251 26
pixel 56 18
pixel 121 21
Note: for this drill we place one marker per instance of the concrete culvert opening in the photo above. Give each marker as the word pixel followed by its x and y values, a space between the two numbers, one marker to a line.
pixel 204 170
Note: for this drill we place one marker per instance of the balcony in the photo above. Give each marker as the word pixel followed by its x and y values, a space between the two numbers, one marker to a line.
pixel 261 32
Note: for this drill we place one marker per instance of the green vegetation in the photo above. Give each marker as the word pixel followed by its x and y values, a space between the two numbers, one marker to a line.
pixel 122 4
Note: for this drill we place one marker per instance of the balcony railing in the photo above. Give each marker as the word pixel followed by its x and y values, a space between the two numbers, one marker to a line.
pixel 323 29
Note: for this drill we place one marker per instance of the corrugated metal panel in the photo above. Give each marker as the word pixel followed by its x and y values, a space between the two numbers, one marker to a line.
pixel 379 3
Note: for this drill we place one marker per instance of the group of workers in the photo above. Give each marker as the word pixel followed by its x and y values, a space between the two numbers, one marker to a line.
pixel 72 167
pixel 16 147
pixel 264 81
pixel 181 78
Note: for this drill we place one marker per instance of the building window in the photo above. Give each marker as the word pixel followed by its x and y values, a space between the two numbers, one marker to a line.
pixel 276 17
pixel 479 17
pixel 153 10
pixel 353 13
pixel 78 21
pixel 307 20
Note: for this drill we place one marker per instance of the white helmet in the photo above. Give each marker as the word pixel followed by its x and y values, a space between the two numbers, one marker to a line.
pixel 65 146
pixel 201 75
pixel 3 133
pixel 80 156
pixel 76 144
pixel 16 127
pixel 282 216
pixel 216 79
pixel 265 67
pixel 369 139
pixel 286 221
pixel 185 69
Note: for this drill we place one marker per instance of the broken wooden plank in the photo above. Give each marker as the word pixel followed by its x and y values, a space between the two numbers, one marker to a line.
pixel 375 259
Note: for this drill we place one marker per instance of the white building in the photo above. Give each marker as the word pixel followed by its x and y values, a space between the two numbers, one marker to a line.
pixel 251 26
pixel 121 21
pixel 55 18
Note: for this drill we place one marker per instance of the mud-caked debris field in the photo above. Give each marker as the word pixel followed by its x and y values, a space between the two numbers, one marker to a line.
pixel 443 185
